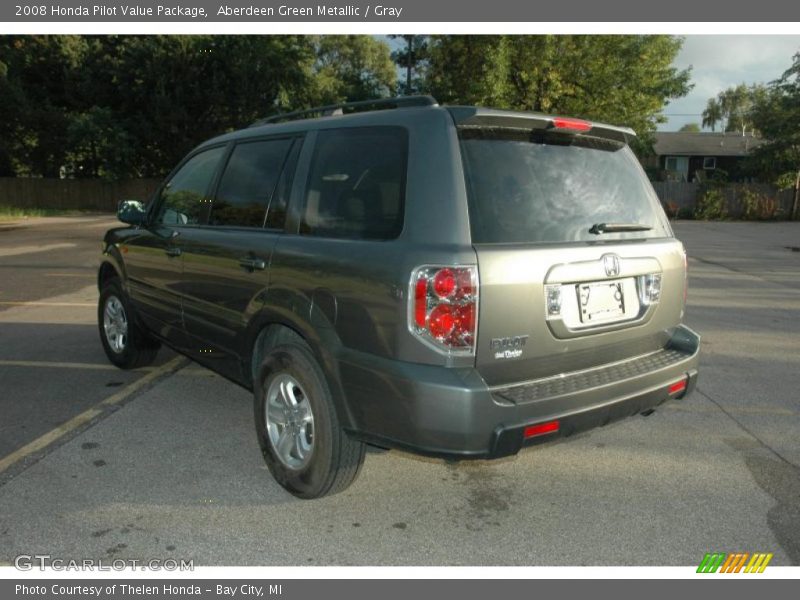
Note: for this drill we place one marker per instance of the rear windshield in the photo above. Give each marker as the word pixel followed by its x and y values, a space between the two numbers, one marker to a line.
pixel 547 187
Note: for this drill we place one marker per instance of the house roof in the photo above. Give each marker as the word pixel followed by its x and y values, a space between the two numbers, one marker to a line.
pixel 681 143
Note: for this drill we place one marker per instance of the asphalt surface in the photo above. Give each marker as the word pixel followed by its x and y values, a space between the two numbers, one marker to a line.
pixel 172 467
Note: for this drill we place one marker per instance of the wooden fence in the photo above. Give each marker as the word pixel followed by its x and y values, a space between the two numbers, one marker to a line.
pixel 86 194
pixel 684 195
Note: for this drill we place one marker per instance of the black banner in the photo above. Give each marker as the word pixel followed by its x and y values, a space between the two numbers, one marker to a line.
pixel 396 11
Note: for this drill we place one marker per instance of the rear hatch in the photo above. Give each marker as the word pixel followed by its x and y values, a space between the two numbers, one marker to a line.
pixel 577 263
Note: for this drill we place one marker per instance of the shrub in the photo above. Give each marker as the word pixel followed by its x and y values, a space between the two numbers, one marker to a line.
pixel 671 208
pixel 711 205
pixel 786 181
pixel 757 207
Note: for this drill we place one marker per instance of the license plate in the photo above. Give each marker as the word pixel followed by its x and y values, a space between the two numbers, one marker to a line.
pixel 601 302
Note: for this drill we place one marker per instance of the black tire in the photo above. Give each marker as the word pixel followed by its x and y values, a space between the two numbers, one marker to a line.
pixel 136 349
pixel 335 459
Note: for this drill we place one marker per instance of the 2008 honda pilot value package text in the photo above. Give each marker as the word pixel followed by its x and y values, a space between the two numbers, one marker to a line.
pixel 454 281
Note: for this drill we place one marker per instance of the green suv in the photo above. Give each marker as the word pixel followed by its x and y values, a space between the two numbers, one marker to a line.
pixel 454 281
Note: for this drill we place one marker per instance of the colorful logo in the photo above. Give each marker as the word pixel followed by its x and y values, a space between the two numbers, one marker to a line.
pixel 735 562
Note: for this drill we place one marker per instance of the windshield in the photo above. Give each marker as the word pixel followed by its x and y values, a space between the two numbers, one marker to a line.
pixel 539 186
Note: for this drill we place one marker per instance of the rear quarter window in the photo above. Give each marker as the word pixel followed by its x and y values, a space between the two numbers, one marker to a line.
pixel 356 184
pixel 541 187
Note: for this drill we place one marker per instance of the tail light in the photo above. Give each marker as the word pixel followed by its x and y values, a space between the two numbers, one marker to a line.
pixel 552 293
pixel 443 307
pixel 650 288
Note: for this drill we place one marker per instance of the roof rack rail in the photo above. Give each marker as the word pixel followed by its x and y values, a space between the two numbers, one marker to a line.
pixel 340 109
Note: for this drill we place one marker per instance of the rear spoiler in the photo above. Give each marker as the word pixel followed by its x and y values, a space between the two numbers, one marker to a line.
pixel 468 116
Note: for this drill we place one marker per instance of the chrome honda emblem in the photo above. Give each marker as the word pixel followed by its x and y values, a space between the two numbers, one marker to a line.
pixel 611 264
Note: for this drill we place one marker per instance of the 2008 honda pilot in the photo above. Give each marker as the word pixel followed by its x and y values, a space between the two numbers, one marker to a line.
pixel 455 281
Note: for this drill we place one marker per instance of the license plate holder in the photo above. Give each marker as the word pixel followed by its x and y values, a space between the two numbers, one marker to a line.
pixel 601 302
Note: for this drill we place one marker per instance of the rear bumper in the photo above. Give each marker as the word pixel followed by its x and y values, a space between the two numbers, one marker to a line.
pixel 453 413
pixel 509 440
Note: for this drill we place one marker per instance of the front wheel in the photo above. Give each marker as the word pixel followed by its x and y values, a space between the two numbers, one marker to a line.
pixel 125 343
pixel 303 444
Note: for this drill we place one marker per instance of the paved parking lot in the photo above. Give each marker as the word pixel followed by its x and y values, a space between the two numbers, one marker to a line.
pixel 163 462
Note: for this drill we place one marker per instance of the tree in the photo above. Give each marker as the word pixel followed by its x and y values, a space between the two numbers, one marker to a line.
pixel 411 59
pixel 7 126
pixel 712 114
pixel 620 79
pixel 171 92
pixel 690 128
pixel 98 146
pixel 132 106
pixel 733 108
pixel 776 114
pixel 350 68
pixel 37 99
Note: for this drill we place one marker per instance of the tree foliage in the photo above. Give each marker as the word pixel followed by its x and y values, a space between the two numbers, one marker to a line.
pixel 117 106
pixel 733 108
pixel 712 115
pixel 619 79
pixel 350 68
pixel 690 128
pixel 776 115
pixel 412 60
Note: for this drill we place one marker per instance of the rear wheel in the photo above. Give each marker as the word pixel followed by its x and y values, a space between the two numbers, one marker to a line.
pixel 302 442
pixel 125 343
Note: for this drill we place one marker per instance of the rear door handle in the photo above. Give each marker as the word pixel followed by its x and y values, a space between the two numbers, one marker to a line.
pixel 174 251
pixel 253 264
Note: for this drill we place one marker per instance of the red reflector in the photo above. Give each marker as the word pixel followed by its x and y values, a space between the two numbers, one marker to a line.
pixel 573 124
pixel 421 301
pixel 540 429
pixel 678 386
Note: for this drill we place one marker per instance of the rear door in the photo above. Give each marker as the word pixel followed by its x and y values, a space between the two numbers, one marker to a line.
pixel 226 262
pixel 577 262
pixel 336 271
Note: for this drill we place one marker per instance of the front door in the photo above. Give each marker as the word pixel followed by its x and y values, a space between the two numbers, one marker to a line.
pixel 153 258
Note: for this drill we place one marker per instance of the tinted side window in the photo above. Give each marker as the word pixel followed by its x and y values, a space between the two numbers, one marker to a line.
pixel 356 184
pixel 183 199
pixel 248 183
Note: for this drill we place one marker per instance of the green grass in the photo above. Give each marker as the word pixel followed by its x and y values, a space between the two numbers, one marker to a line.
pixel 12 213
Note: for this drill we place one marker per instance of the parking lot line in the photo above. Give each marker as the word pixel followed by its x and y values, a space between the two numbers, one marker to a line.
pixel 63 365
pixel 48 438
pixel 16 251
pixel 22 303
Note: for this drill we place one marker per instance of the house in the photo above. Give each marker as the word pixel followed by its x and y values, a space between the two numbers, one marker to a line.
pixel 685 156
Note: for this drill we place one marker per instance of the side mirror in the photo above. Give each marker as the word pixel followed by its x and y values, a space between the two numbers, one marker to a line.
pixel 131 212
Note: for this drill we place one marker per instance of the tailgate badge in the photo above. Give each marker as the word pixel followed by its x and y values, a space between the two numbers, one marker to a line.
pixel 508 347
pixel 611 264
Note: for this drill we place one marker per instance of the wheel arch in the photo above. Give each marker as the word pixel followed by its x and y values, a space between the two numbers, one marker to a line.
pixel 111 266
pixel 271 328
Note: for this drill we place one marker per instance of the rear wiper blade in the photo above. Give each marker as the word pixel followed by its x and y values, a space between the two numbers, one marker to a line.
pixel 599 228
